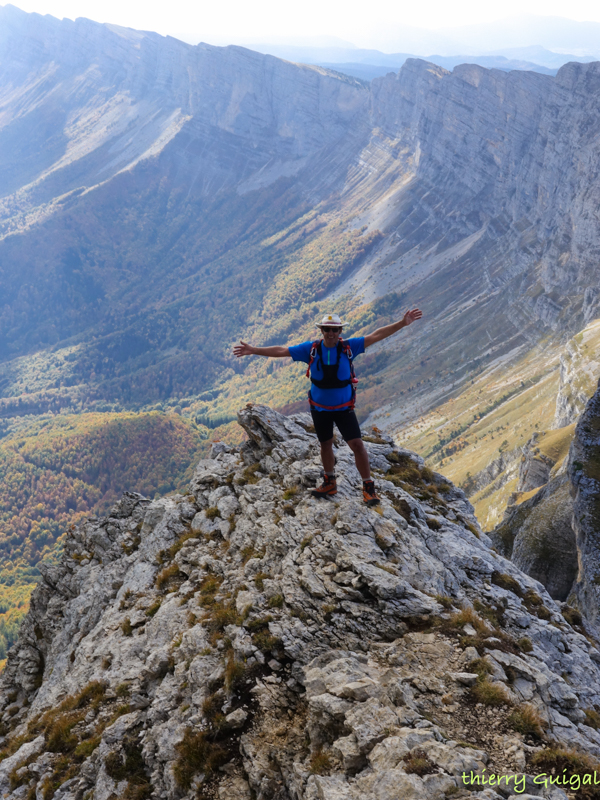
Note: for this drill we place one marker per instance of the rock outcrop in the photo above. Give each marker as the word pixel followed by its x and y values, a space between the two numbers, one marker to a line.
pixel 535 466
pixel 248 640
pixel 584 471
pixel 537 535
pixel 579 367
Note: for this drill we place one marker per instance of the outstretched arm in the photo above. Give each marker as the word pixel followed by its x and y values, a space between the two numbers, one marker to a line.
pixel 243 349
pixel 388 330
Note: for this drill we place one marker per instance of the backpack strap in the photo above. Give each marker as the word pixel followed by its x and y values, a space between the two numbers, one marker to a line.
pixel 353 378
pixel 313 352
pixel 349 405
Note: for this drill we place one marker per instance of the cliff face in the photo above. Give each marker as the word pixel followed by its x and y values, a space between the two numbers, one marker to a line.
pixel 552 534
pixel 579 366
pixel 82 102
pixel 584 463
pixel 249 638
pixel 537 535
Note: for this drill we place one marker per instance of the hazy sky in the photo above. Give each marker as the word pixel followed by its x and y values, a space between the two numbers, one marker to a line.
pixel 260 20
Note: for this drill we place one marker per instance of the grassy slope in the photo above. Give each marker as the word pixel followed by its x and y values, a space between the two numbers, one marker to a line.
pixel 498 411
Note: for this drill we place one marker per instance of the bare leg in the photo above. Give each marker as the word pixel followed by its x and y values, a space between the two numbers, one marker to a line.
pixel 361 457
pixel 327 456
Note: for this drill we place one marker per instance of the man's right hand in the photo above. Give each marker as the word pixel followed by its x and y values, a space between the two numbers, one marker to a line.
pixel 243 349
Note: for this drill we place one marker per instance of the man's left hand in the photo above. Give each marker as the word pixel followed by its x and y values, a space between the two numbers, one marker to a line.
pixel 412 316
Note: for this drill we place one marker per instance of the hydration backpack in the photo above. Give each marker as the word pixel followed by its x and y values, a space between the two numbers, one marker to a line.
pixel 330 378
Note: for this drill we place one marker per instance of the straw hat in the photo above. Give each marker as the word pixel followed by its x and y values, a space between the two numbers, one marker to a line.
pixel 331 320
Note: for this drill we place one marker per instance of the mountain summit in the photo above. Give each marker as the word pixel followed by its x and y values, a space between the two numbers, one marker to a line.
pixel 247 638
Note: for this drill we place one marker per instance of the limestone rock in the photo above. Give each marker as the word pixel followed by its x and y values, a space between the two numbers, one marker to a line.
pixel 538 537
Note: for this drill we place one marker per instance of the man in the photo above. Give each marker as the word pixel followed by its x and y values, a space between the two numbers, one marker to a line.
pixel 333 390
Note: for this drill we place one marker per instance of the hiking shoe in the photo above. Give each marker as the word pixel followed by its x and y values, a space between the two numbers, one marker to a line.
pixel 369 493
pixel 327 489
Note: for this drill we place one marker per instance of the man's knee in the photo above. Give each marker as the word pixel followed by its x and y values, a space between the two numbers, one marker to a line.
pixel 328 445
pixel 356 445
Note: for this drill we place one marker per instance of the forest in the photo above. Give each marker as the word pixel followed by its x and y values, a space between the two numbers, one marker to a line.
pixel 71 467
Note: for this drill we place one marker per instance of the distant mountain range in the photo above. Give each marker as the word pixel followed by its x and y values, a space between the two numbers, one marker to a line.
pixel 525 31
pixel 369 64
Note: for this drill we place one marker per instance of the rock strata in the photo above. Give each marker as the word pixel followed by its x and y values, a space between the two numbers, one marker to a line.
pixel 248 640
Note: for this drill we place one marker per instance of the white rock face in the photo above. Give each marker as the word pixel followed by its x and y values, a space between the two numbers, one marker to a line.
pixel 307 649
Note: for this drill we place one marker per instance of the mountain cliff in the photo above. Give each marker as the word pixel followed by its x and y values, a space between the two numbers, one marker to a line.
pixel 149 184
pixel 584 460
pixel 247 640
pixel 550 532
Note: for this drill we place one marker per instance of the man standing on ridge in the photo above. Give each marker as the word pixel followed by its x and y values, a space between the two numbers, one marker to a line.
pixel 333 391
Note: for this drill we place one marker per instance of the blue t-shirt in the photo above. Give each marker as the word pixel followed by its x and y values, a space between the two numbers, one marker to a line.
pixel 329 397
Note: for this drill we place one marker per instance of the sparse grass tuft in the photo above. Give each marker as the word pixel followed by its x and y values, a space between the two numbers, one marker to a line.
pixel 151 610
pixel 534 603
pixel 59 738
pixel 212 512
pixel 417 763
pixel 126 627
pixel 129 766
pixel 276 601
pixel 468 616
pixel 320 763
pixel 209 586
pixel 527 720
pixel 166 575
pixel 234 673
pixel 592 718
pixel 169 554
pixel 128 594
pixel 250 475
pixel 490 694
pixel 197 754
pixel 259 580
pixel 261 636
pixel 247 553
pixel 505 581
pixel 524 644
pixel 572 616
pixel 481 667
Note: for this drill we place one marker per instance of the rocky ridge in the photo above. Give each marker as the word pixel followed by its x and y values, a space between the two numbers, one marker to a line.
pixel 247 638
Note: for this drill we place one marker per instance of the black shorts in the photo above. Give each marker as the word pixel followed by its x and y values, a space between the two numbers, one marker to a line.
pixel 345 420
